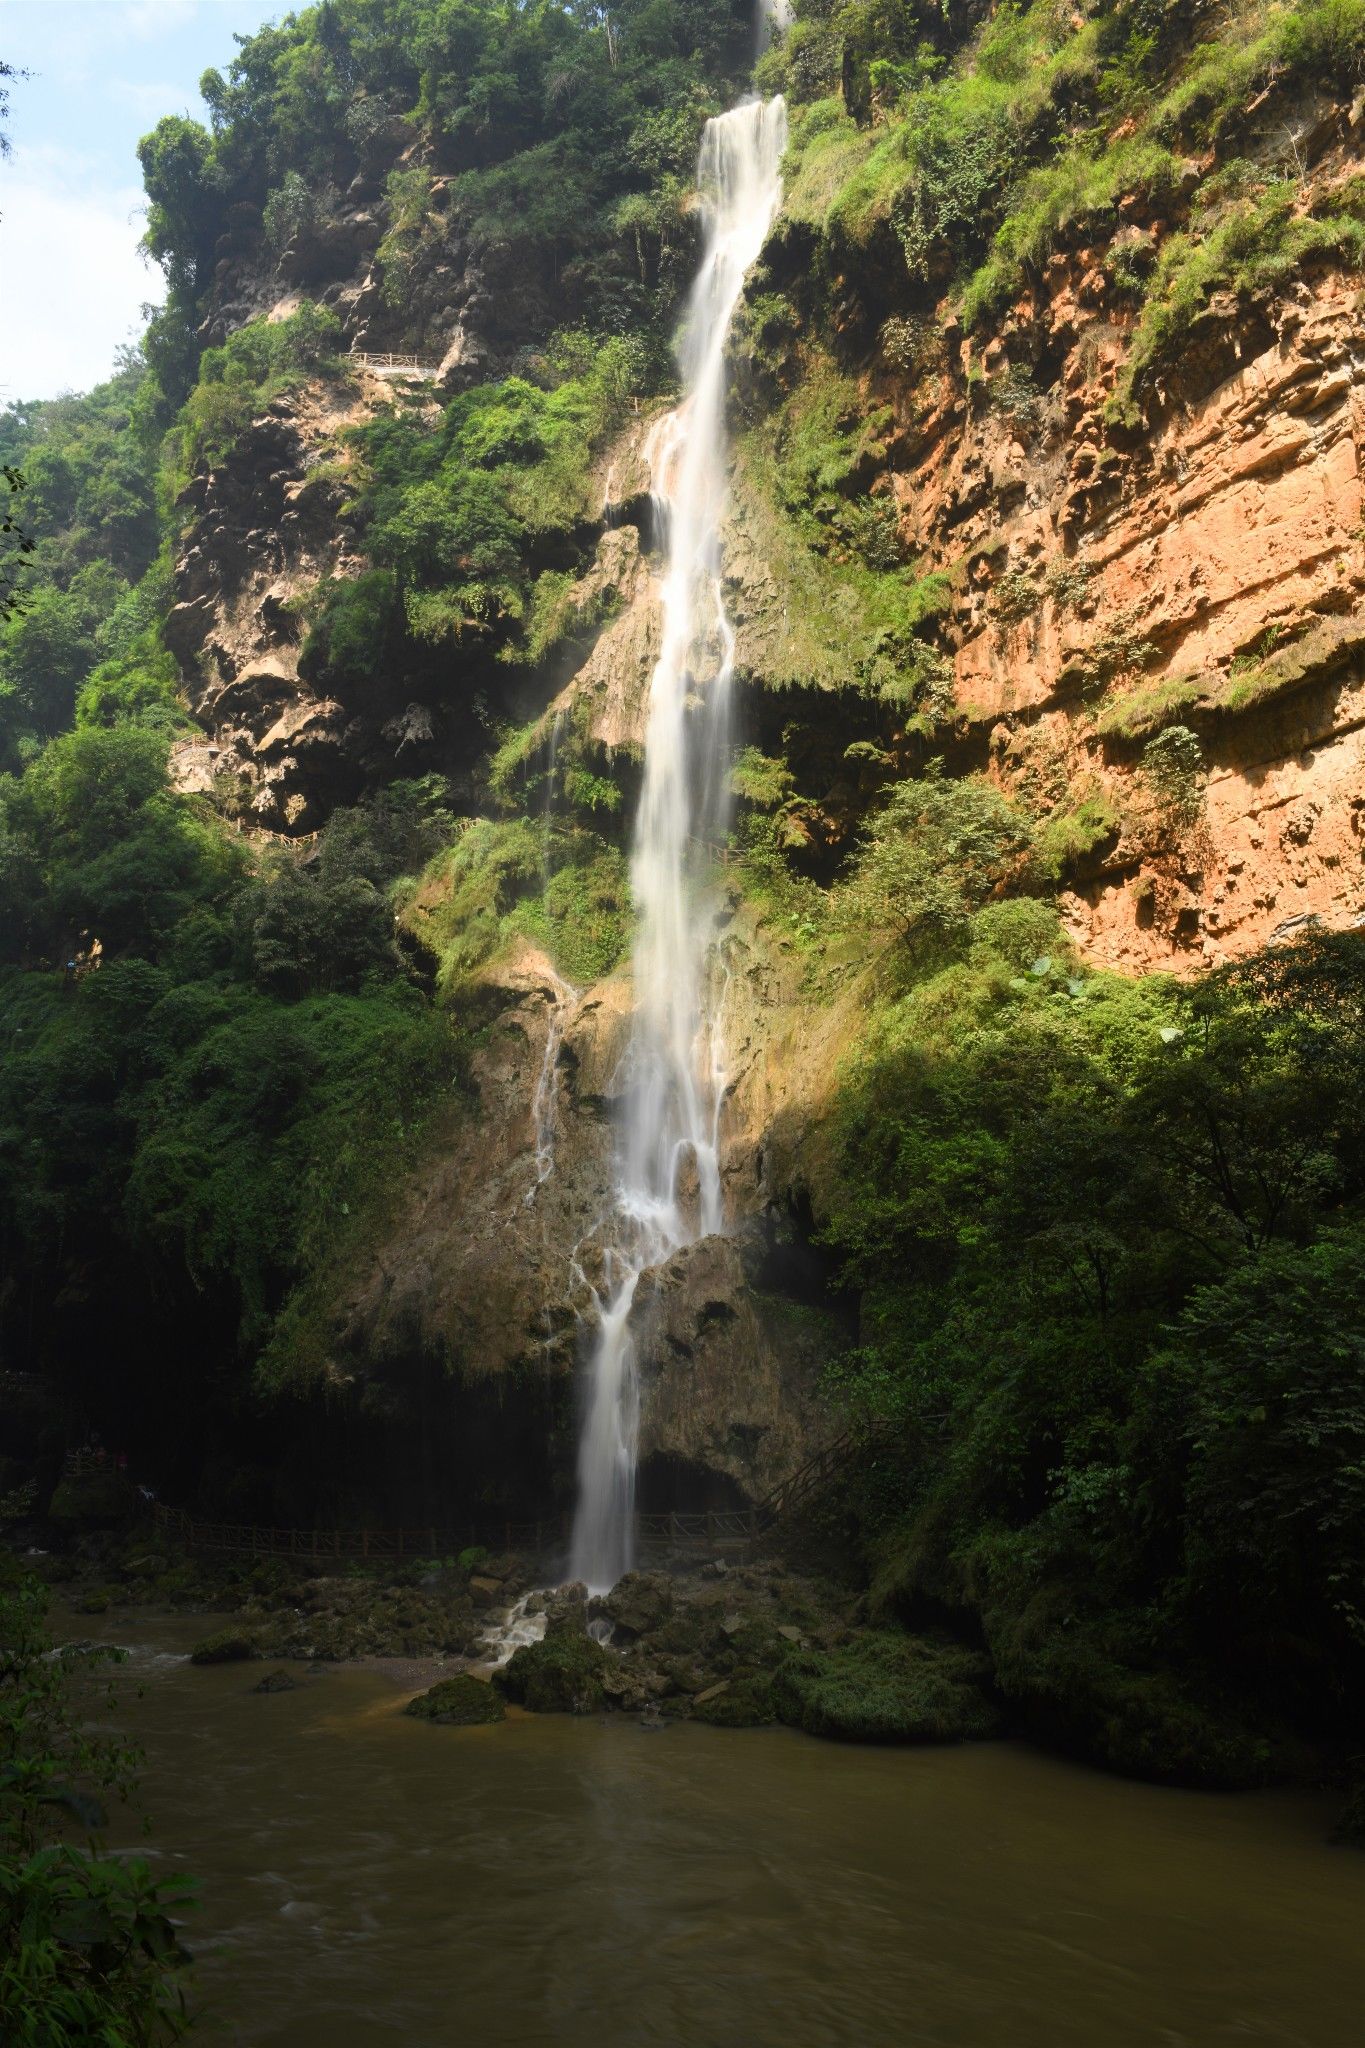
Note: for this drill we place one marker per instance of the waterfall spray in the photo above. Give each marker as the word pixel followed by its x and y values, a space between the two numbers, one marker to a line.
pixel 668 1190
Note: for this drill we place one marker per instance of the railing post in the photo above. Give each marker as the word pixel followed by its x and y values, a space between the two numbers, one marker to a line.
pixel 432 1534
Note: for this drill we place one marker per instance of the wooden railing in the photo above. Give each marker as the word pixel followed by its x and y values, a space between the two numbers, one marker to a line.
pixel 249 1539
pixel 711 1529
pixel 406 366
pixel 716 1528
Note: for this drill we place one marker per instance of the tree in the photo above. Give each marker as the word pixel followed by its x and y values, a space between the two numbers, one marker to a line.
pixel 88 1943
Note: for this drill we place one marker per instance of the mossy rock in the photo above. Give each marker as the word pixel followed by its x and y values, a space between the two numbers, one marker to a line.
pixel 1076 1694
pixel 100 1498
pixel 460 1702
pixel 888 1688
pixel 95 1600
pixel 276 1681
pixel 228 1648
pixel 561 1675
pixel 746 1702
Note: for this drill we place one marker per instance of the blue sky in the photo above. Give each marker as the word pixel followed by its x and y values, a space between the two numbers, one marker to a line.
pixel 104 71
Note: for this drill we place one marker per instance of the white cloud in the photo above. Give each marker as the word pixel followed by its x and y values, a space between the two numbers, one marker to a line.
pixel 150 100
pixel 144 18
pixel 72 279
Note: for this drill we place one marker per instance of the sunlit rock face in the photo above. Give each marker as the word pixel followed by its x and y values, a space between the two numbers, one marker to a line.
pixel 1209 566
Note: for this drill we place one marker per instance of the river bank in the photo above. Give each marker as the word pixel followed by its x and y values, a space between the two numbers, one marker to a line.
pixel 573 1880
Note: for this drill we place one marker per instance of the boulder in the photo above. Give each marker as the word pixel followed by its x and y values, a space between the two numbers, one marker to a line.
pixel 227 1648
pixel 274 1681
pixel 639 1602
pixel 564 1674
pixel 459 1702
pixel 100 1496
pixel 744 1701
pixel 566 1610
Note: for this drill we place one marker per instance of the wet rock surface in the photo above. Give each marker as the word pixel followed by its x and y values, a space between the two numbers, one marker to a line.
pixel 749 1646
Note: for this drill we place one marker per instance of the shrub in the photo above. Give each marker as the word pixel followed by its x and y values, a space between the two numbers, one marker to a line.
pixel 459 1702
pixel 887 1688
pixel 933 855
pixel 88 1943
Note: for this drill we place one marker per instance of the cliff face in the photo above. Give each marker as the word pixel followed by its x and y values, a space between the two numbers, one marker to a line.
pixel 1149 624
pixel 1211 574
pixel 1206 571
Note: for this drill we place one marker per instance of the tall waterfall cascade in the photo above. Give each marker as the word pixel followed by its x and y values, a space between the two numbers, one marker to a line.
pixel 668 1188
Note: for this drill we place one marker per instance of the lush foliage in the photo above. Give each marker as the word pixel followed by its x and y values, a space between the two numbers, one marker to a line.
pixel 570 132
pixel 256 364
pixel 460 518
pixel 1108 1244
pixel 936 150
pixel 88 1944
pixel 85 591
pixel 212 1063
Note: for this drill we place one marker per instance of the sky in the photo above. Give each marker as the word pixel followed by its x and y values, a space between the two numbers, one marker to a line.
pixel 72 281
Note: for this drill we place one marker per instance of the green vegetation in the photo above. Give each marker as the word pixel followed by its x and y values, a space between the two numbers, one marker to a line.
pixel 212 1061
pixel 560 1675
pixel 1067 840
pixel 566 889
pixel 888 1688
pixel 456 517
pixel 1104 1235
pixel 1252 246
pixel 88 1943
pixel 1107 1237
pixel 562 136
pixel 852 615
pixel 460 1702
pixel 256 365
pixel 935 853
pixel 87 591
pixel 967 159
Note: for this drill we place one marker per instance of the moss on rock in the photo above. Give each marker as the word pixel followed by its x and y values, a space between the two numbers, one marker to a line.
pixel 744 1701
pixel 459 1702
pixel 888 1688
pixel 228 1647
pixel 1142 1723
pixel 561 1675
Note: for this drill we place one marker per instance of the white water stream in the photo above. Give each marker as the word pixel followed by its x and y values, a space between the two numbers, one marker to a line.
pixel 668 1191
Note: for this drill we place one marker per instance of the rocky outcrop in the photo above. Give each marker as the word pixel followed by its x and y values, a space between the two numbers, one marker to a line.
pixel 492 1254
pixel 263 532
pixel 490 1260
pixel 1103 585
pixel 1213 575
pixel 730 1374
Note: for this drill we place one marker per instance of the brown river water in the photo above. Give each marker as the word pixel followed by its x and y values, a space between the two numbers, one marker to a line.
pixel 368 1879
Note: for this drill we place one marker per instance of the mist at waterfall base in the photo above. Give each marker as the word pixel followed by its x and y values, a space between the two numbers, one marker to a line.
pixel 668 1191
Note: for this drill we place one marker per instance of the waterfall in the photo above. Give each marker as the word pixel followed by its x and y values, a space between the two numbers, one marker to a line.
pixel 668 1191
pixel 544 1103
